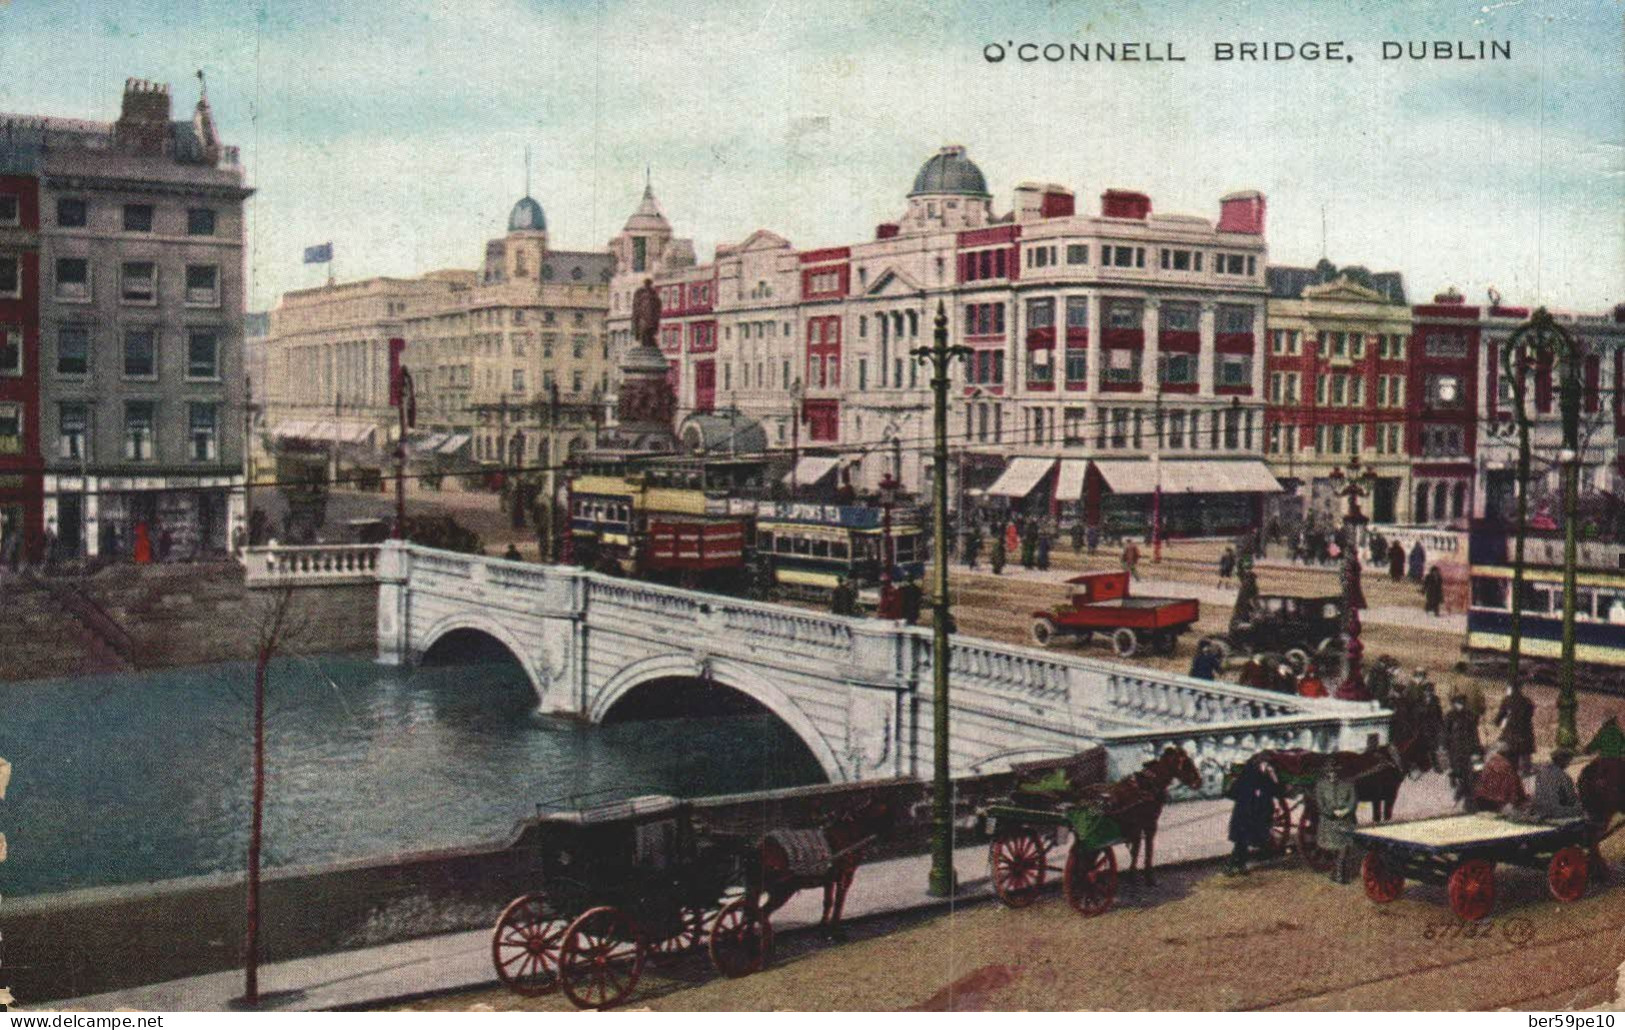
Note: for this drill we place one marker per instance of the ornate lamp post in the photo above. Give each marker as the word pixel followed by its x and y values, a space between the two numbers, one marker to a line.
pixel 1542 340
pixel 1355 485
pixel 939 354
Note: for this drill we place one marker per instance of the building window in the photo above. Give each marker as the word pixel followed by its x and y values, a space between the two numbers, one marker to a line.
pixel 1041 313
pixel 138 218
pixel 1123 314
pixel 73 421
pixel 11 350
pixel 1235 318
pixel 1179 318
pixel 10 209
pixel 1041 365
pixel 11 281
pixel 640 253
pixel 1176 430
pixel 140 353
pixel 203 285
pixel 576 381
pixel 72 213
pixel 1444 391
pixel 1235 369
pixel 202 431
pixel 138 282
pixel 1077 253
pixel 1122 365
pixel 11 429
pixel 138 444
pixel 1177 369
pixel 200 221
pixel 1446 345
pixel 1077 312
pixel 1077 366
pixel 73 350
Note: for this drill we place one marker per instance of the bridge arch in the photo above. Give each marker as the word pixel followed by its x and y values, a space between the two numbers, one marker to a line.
pixel 722 672
pixel 480 623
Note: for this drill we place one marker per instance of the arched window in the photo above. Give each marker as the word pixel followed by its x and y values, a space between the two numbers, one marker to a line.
pixel 1439 497
pixel 1458 501
pixel 1421 512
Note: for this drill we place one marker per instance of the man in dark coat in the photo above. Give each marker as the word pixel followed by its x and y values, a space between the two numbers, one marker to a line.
pixel 1254 792
pixel 1205 666
pixel 1418 562
pixel 843 600
pixel 1337 802
pixel 1092 537
pixel 1043 551
pixel 973 546
pixel 1433 591
pixel 1079 535
pixel 1396 562
pixel 1461 745
pixel 1516 717
pixel 910 598
pixel 1029 544
pixel 1430 723
pixel 997 556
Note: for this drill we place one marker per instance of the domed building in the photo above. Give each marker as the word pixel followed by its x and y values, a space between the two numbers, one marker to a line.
pixel 527 216
pixel 950 193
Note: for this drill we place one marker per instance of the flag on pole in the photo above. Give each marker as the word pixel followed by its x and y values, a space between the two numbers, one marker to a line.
pixel 319 254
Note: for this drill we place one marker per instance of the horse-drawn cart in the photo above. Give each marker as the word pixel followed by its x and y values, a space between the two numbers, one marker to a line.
pixel 618 883
pixel 1461 852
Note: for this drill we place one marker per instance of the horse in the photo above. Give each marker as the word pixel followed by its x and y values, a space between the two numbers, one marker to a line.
pixel 1377 772
pixel 827 857
pixel 1136 802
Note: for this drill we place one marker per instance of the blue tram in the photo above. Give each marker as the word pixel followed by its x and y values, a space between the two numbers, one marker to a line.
pixel 1599 621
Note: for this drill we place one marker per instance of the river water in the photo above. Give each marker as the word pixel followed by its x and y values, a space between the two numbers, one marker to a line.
pixel 130 778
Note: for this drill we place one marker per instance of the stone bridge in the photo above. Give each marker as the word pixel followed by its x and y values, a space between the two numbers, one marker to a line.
pixel 857 691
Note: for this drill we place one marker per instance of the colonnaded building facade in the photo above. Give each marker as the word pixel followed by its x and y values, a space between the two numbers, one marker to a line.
pixel 1099 339
pixel 508 359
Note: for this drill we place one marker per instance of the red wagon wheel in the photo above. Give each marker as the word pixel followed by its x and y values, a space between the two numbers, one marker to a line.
pixel 690 933
pixel 1019 863
pixel 1090 880
pixel 602 958
pixel 525 946
pixel 1472 890
pixel 1382 884
pixel 741 939
pixel 1281 826
pixel 1568 873
pixel 1316 857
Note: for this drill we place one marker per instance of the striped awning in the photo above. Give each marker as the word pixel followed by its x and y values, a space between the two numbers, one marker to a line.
pixel 1020 476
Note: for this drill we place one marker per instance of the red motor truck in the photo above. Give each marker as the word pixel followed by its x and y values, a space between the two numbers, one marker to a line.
pixel 1100 603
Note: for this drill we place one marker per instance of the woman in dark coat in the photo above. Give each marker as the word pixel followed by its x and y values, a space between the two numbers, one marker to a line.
pixel 1396 562
pixel 1433 591
pixel 1516 717
pixel 1254 792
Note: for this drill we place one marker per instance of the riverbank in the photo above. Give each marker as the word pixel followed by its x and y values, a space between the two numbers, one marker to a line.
pixel 166 616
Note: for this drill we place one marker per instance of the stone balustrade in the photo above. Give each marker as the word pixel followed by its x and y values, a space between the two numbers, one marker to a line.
pixel 321 565
pixel 1438 544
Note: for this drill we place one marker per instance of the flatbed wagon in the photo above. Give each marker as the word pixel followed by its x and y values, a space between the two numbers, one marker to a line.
pixel 1100 602
pixel 1462 851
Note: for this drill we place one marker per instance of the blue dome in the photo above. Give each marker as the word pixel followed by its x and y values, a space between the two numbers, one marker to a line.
pixel 950 171
pixel 527 217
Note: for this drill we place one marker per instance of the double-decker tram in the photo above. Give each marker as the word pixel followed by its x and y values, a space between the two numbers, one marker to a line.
pixel 1599 604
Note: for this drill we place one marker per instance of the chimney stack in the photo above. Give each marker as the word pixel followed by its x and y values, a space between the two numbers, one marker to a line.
pixel 143 124
pixel 1242 212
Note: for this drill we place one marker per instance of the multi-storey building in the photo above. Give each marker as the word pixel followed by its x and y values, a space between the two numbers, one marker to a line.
pixel 22 519
pixel 1098 340
pixel 1336 375
pixel 141 305
pixel 1600 340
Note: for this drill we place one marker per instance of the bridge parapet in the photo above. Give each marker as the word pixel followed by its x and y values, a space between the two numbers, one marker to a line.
pixel 322 565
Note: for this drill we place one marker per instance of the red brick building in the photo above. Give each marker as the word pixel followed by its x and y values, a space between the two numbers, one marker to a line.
pixel 21 467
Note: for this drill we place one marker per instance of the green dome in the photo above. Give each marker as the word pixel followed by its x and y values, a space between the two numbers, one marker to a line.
pixel 950 171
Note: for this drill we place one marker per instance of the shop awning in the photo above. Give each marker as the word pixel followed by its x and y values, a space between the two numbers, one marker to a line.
pixel 810 469
pixel 425 444
pixel 454 443
pixel 294 429
pixel 356 432
pixel 1188 477
pixel 1069 483
pixel 1020 476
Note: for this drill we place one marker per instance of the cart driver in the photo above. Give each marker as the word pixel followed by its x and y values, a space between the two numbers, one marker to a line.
pixel 1555 799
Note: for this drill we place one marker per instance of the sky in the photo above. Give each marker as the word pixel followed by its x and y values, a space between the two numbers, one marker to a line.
pixel 397 129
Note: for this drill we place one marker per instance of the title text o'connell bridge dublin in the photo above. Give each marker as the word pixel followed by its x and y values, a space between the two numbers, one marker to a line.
pixel 856 691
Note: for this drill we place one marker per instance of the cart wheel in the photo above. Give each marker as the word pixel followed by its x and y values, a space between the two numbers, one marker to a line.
pixel 741 939
pixel 1018 865
pixel 1382 884
pixel 1327 645
pixel 1315 856
pixel 1472 890
pixel 1281 826
pixel 1090 880
pixel 1125 643
pixel 1568 873
pixel 1043 632
pixel 525 946
pixel 1298 658
pixel 691 926
pixel 602 958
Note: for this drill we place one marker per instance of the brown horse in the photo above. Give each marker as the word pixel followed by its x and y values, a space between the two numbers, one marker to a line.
pixel 1376 772
pixel 827 857
pixel 1602 794
pixel 1136 801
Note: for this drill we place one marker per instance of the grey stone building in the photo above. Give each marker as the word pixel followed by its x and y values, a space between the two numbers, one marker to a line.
pixel 141 324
